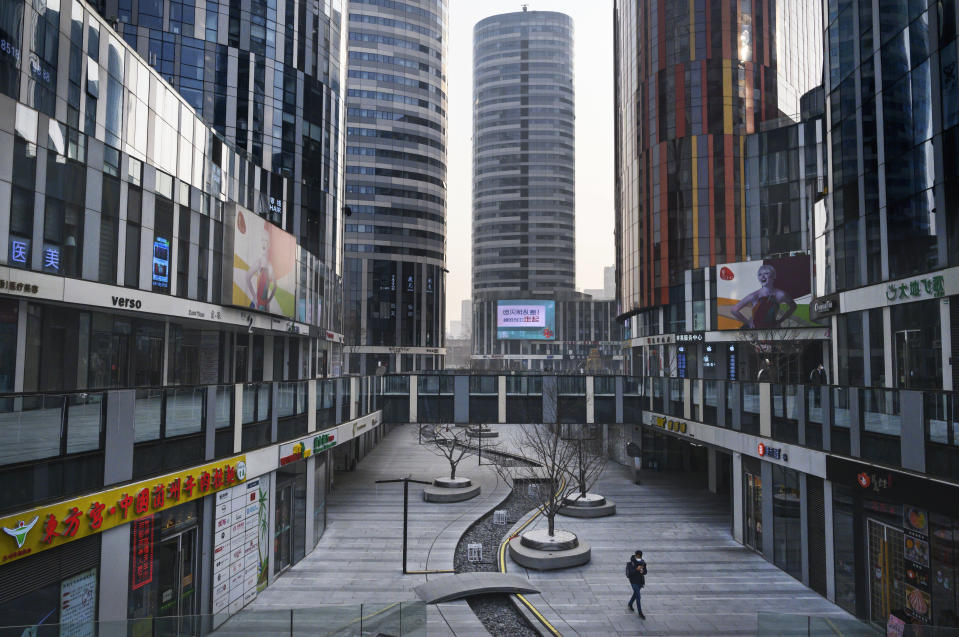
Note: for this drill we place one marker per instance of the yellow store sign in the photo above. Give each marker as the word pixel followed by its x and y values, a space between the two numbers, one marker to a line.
pixel 50 526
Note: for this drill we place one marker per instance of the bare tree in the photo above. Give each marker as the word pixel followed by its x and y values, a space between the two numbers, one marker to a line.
pixel 778 350
pixel 590 461
pixel 449 442
pixel 554 464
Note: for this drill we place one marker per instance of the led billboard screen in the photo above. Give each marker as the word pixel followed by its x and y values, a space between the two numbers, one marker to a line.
pixel 525 319
pixel 264 266
pixel 767 294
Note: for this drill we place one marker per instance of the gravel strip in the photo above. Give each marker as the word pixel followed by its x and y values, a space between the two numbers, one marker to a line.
pixel 496 611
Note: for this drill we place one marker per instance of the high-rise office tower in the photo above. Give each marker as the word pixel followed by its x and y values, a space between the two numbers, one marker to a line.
pixel 523 161
pixel 693 80
pixel 396 184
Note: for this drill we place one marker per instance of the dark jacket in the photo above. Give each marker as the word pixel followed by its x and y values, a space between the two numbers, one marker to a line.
pixel 817 376
pixel 635 576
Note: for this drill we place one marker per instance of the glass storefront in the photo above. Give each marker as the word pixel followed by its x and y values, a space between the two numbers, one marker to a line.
pixel 320 467
pixel 909 556
pixel 787 532
pixel 164 572
pixel 752 504
pixel 289 530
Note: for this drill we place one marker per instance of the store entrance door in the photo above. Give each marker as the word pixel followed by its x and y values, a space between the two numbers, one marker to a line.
pixel 886 589
pixel 177 578
pixel 753 511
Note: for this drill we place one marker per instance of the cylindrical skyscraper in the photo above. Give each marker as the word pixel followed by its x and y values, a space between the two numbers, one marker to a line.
pixel 523 160
pixel 693 80
pixel 395 239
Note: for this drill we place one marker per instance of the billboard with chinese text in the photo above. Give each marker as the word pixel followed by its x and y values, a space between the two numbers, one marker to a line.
pixel 526 319
pixel 767 294
pixel 264 266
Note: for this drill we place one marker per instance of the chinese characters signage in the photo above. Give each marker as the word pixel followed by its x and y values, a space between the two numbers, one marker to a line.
pixel 142 571
pixel 50 526
pixel 925 287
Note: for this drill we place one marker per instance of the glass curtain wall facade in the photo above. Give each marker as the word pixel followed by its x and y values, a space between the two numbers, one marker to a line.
pixel 889 234
pixel 523 155
pixel 693 81
pixel 395 238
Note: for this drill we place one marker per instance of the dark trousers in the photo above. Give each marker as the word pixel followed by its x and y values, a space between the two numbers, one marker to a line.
pixel 637 597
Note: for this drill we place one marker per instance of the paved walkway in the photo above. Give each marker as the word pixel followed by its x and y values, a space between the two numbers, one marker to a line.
pixel 700 581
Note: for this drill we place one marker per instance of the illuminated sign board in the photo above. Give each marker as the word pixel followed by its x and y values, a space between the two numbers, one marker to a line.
pixel 526 320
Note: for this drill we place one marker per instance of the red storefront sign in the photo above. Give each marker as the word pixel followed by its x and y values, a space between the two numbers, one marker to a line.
pixel 142 552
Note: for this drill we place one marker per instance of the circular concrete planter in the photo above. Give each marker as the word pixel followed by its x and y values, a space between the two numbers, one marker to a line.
pixel 452 483
pixel 549 559
pixel 592 506
pixel 486 433
pixel 447 489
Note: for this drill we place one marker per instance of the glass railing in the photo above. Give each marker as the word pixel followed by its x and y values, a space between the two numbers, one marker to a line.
pixel 46 425
pixel 401 619
pixel 785 420
pixel 777 625
pixel 881 425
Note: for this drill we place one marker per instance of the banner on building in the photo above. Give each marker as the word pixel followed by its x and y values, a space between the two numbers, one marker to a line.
pixel 767 294
pixel 47 527
pixel 264 266
pixel 526 320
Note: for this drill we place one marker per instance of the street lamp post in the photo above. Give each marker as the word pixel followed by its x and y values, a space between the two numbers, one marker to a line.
pixel 406 508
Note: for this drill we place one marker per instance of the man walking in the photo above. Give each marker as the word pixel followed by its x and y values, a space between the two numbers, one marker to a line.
pixel 636 572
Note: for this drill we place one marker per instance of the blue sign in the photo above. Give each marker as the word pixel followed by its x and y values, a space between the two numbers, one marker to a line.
pixel 161 263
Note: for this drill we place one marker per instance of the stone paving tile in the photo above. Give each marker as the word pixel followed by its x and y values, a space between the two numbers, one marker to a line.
pixel 701 582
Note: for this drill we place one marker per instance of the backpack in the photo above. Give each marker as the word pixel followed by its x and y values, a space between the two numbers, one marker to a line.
pixel 629 569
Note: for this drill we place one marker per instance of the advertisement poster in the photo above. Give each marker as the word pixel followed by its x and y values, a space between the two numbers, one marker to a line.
pixel 767 294
pixel 526 320
pixel 264 266
pixel 915 524
pixel 161 263
pixel 78 604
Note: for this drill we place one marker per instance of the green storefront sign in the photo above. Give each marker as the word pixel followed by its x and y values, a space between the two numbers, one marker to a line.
pixel 324 442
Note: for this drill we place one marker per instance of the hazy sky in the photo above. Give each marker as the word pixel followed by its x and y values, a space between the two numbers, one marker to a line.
pixel 593 72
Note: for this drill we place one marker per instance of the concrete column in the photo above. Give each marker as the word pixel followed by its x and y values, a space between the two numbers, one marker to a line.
pixel 207 517
pixel 801 413
pixel 913 439
pixel 855 423
pixel 237 417
pixel 619 399
pixel 414 396
pixel 311 405
pixel 310 512
pixel 737 408
pixel 765 410
pixel 767 508
pixel 590 401
pixel 721 405
pixel 274 420
pixel 21 359
pixel 737 488
pixel 355 392
pixel 461 399
pixel 687 398
pixel 804 527
pixel 501 399
pixel 946 349
pixel 830 554
pixel 114 579
pixel 711 469
pixel 826 394
pixel 550 400
pixel 267 356
pixel 118 438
